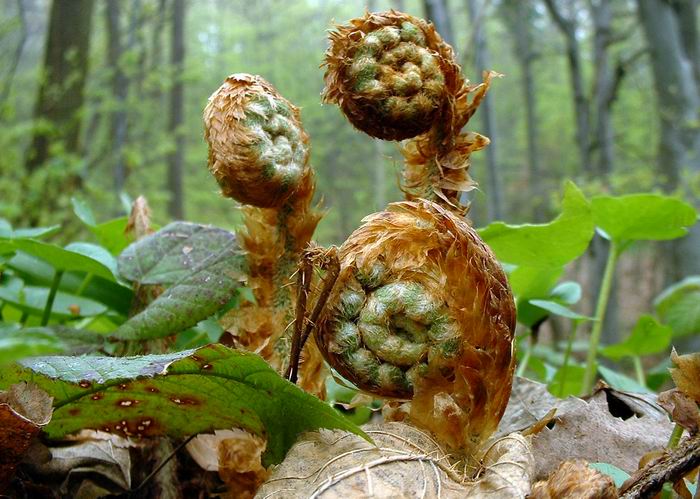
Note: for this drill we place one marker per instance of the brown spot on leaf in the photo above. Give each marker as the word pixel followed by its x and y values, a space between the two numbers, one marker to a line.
pixel 74 411
pixel 123 386
pixel 152 389
pixel 127 402
pixel 207 366
pixel 84 384
pixel 74 309
pixel 97 396
pixel 185 401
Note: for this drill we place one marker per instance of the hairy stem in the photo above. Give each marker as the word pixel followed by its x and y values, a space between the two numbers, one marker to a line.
pixel 639 370
pixel 567 356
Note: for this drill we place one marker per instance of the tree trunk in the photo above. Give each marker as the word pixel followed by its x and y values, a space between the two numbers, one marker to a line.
pixel 176 158
pixel 567 26
pixel 437 11
pixel 7 84
pixel 519 16
pixel 481 63
pixel 63 80
pixel 678 100
pixel 601 14
pixel 120 88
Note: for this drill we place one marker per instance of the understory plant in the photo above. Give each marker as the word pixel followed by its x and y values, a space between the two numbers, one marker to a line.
pixel 188 329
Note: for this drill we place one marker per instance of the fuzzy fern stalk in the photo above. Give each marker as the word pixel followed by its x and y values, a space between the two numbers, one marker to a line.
pixel 395 78
pixel 258 153
pixel 422 311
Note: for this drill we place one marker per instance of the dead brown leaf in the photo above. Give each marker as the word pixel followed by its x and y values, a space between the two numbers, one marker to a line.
pixel 686 374
pixel 24 409
pixel 405 463
pixel 682 409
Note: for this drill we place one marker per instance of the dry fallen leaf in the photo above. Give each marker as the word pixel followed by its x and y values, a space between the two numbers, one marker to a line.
pixel 24 409
pixel 575 479
pixel 612 426
pixel 406 462
pixel 682 409
pixel 687 373
pixel 236 455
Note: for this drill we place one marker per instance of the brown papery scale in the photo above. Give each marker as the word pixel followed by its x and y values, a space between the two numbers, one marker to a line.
pixel 422 311
pixel 258 150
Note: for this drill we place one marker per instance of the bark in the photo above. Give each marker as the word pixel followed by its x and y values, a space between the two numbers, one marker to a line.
pixel 438 12
pixel 519 15
pixel 678 101
pixel 120 89
pixel 63 80
pixel 177 156
pixel 17 55
pixel 567 26
pixel 481 63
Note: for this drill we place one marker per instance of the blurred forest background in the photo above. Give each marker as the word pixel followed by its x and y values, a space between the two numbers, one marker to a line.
pixel 102 99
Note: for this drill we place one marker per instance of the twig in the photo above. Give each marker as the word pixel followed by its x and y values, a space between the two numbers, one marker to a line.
pixel 672 467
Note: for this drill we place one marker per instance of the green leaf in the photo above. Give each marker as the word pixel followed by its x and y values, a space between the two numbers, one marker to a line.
pixel 568 292
pixel 533 282
pixel 648 337
pixel 679 306
pixel 619 476
pixel 567 381
pixel 112 235
pixel 177 394
pixel 557 309
pixel 622 382
pixel 639 217
pixel 32 300
pixel 64 259
pixel 7 232
pixel 546 245
pixel 209 287
pixel 16 345
pixel 174 252
pixel 83 211
pixel 97 253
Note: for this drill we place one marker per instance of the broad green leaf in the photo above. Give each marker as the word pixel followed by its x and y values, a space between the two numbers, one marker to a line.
pixel 619 476
pixel 679 306
pixel 177 394
pixel 7 232
pixel 568 292
pixel 112 234
pixel 557 309
pixel 546 245
pixel 64 259
pixel 567 381
pixel 38 272
pixel 529 315
pixel 638 217
pixel 533 282
pixel 97 253
pixel 648 337
pixel 174 252
pixel 17 343
pixel 209 287
pixel 622 382
pixel 83 211
pixel 32 300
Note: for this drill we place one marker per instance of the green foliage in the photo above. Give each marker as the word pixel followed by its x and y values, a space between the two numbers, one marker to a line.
pixel 679 306
pixel 647 338
pixel 177 394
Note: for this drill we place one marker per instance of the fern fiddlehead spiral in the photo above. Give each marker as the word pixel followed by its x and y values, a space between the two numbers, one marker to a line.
pixel 423 311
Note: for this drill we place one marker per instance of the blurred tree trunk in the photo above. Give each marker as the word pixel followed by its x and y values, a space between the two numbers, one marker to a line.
pixel 17 55
pixel 399 5
pixel 673 43
pixel 481 63
pixel 120 89
pixel 519 14
pixel 177 156
pixel 567 26
pixel 438 12
pixel 63 80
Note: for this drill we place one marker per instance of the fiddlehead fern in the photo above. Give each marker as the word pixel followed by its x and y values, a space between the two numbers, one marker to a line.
pixel 395 78
pixel 258 153
pixel 258 150
pixel 423 311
